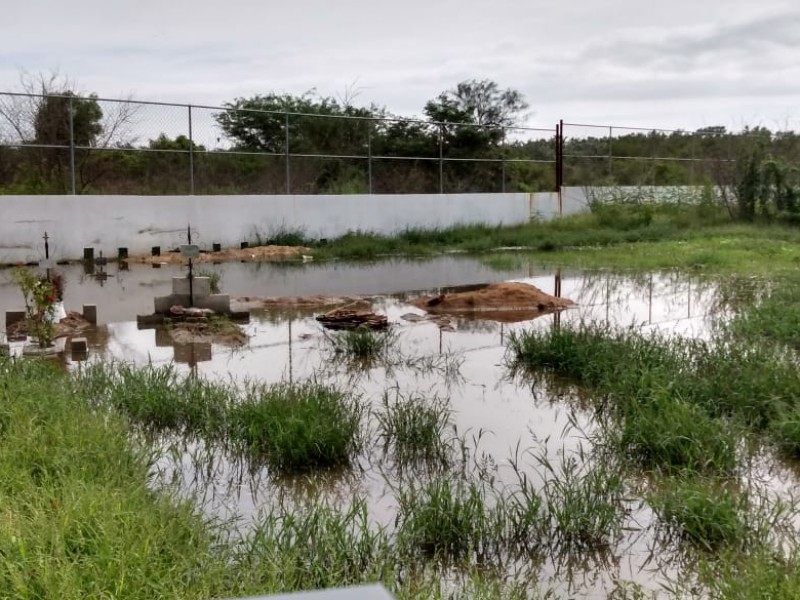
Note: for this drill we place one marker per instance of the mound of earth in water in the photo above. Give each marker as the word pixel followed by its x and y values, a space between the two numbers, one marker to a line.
pixel 72 324
pixel 506 301
pixel 228 254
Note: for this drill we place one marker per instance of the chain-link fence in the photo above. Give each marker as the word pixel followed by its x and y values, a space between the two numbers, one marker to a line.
pixel 603 155
pixel 74 145
pixel 87 145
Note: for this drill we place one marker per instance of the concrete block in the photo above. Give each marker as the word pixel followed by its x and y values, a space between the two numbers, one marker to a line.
pixel 201 286
pixel 90 313
pixel 219 303
pixel 13 317
pixel 164 303
pixel 79 344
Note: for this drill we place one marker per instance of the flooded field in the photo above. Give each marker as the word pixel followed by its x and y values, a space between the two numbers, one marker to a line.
pixel 502 427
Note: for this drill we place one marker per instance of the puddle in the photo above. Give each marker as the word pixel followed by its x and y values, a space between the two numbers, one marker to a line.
pixel 496 414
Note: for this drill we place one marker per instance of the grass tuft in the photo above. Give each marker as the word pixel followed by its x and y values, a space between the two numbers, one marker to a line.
pixel 297 427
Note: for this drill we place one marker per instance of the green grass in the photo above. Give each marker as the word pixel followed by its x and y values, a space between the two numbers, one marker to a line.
pixel 413 428
pixel 292 427
pixel 78 520
pixel 672 403
pixel 582 502
pixel 297 427
pixel 159 398
pixel 622 235
pixel 362 343
pixel 705 512
pixel 449 519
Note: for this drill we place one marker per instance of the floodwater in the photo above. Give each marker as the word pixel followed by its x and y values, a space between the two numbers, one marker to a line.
pixel 496 413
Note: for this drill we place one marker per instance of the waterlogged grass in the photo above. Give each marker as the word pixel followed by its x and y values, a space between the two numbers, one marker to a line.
pixel 766 250
pixel 292 427
pixel 676 403
pixel 706 512
pixel 298 427
pixel 80 520
pixel 414 428
pixel 77 519
pixel 362 344
pixel 450 519
pixel 582 502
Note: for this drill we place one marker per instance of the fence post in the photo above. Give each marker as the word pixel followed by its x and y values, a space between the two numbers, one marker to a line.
pixel 691 169
pixel 288 174
pixel 369 154
pixel 610 153
pixel 503 171
pixel 71 146
pixel 191 154
pixel 441 159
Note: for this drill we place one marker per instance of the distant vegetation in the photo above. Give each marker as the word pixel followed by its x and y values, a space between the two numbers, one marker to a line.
pixel 468 140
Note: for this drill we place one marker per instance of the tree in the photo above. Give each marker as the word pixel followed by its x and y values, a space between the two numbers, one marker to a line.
pixel 38 122
pixel 260 122
pixel 479 102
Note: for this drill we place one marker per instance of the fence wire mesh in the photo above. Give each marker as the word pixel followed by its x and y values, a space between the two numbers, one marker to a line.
pixel 88 145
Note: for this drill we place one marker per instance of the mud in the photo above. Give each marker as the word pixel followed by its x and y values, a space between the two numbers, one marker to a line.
pixel 226 255
pixel 70 325
pixel 302 303
pixel 213 331
pixel 506 302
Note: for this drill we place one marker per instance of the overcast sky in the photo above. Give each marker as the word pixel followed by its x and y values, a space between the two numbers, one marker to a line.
pixel 683 63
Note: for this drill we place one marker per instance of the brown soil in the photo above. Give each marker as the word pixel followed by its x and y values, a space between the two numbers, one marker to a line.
pixel 70 325
pixel 211 331
pixel 227 255
pixel 497 301
pixel 301 302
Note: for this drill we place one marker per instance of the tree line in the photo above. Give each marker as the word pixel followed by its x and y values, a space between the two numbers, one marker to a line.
pixel 469 139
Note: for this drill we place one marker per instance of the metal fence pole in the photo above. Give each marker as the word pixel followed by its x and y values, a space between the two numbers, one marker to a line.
pixel 369 155
pixel 441 159
pixel 610 153
pixel 691 168
pixel 503 171
pixel 71 146
pixel 191 154
pixel 288 175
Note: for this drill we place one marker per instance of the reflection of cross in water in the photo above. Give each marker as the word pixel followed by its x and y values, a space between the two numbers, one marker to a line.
pixel 100 274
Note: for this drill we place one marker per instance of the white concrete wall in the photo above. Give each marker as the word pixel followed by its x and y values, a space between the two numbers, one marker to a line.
pixel 140 222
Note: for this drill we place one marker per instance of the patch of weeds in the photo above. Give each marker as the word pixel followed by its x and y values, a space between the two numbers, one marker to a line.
pixel 214 279
pixel 449 520
pixel 666 433
pixel 583 502
pixel 414 428
pixel 159 398
pixel 362 343
pixel 298 427
pixel 706 512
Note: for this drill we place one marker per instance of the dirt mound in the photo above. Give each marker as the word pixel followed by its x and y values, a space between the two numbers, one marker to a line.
pixel 214 330
pixel 495 298
pixel 70 325
pixel 228 254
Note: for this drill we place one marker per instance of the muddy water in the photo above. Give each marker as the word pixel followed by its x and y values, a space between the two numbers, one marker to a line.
pixel 495 413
